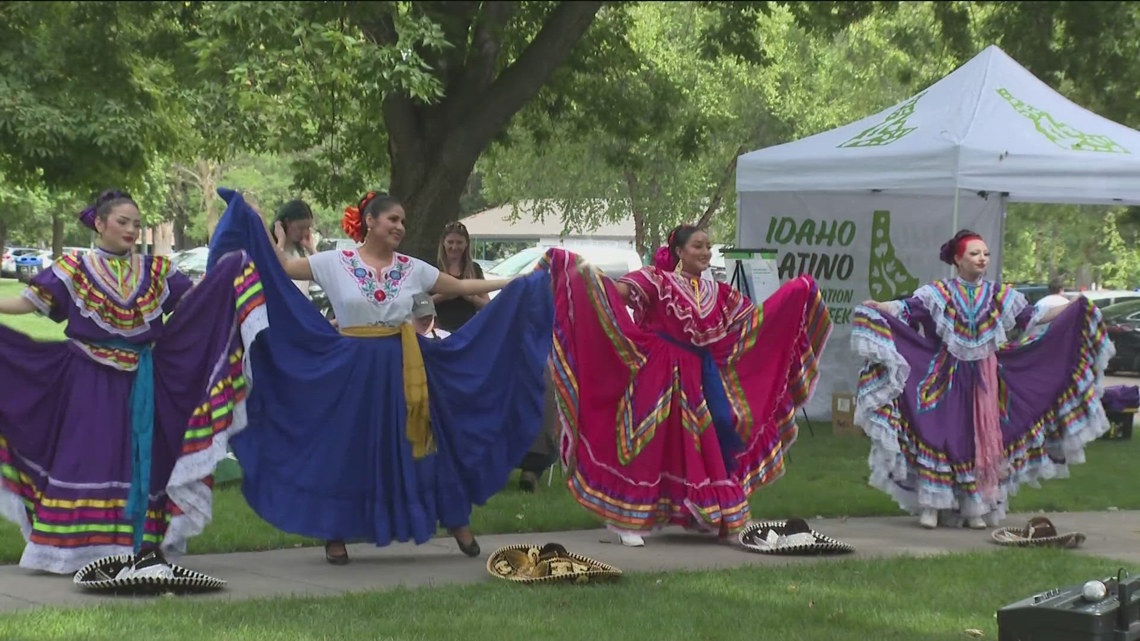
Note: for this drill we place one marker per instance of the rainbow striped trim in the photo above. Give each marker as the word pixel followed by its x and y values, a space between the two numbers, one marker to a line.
pixel 714 506
pixel 932 473
pixel 94 302
pixel 100 520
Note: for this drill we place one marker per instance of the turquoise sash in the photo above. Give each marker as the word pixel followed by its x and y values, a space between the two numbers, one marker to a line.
pixel 142 436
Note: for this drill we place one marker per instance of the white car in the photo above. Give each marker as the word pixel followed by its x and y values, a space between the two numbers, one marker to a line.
pixel 614 262
pixel 1104 297
pixel 191 262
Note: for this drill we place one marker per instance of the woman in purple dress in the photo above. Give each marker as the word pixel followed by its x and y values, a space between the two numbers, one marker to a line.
pixel 959 415
pixel 109 438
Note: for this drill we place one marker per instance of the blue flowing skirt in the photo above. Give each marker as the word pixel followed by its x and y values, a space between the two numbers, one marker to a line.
pixel 325 454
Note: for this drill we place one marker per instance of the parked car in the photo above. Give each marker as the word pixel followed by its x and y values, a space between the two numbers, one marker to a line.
pixel 613 262
pixel 1032 291
pixel 8 262
pixel 1122 321
pixel 487 265
pixel 192 262
pixel 336 243
pixel 1103 298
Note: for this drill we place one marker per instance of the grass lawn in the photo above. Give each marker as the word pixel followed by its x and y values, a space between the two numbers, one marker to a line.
pixel 826 476
pixel 33 325
pixel 905 599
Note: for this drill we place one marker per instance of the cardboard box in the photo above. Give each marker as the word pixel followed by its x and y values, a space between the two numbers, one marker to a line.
pixel 843 414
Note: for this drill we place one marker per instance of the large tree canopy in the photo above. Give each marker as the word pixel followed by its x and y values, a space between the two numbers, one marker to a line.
pixel 88 92
pixel 409 96
pixel 423 89
pixel 419 89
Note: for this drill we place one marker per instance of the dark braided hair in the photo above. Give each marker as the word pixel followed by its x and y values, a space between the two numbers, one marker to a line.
pixel 101 208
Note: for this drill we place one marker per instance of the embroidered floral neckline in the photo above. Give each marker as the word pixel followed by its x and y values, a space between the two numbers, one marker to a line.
pixel 378 290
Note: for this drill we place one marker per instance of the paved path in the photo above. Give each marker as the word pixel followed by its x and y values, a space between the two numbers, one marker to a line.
pixel 304 572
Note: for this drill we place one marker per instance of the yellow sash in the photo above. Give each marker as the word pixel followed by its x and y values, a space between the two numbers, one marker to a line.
pixel 418 430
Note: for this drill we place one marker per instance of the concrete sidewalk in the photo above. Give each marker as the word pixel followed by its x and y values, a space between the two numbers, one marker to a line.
pixel 304 572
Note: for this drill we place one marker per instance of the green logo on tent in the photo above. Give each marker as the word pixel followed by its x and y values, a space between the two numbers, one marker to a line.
pixel 1062 135
pixel 890 130
pixel 887 277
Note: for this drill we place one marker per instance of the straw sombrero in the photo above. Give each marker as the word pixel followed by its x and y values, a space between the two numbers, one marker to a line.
pixel 525 563
pixel 147 574
pixel 792 536
pixel 1039 532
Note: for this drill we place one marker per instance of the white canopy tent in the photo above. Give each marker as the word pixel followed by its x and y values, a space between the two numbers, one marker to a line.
pixel 988 126
pixel 907 178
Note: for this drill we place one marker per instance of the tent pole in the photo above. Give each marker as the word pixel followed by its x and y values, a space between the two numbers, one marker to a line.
pixel 954 228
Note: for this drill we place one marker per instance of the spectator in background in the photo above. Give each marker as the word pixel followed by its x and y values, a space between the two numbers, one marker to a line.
pixel 454 259
pixel 423 317
pixel 294 222
pixel 1054 299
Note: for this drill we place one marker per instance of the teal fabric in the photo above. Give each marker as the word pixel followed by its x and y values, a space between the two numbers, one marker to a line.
pixel 142 437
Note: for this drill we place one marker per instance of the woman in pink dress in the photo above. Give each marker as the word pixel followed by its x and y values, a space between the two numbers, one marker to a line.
pixel 676 415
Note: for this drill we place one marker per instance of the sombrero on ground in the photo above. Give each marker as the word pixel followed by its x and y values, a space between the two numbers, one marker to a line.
pixel 1039 532
pixel 525 563
pixel 792 536
pixel 149 573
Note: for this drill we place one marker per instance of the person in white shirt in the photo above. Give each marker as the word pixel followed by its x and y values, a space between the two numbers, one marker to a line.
pixel 1054 299
pixel 379 465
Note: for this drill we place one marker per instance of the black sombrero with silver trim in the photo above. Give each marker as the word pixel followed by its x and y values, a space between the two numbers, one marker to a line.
pixel 550 563
pixel 146 574
pixel 792 536
pixel 1039 532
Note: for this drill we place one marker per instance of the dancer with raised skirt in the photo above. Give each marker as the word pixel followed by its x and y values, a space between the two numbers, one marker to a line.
pixel 108 439
pixel 960 413
pixel 374 433
pixel 677 415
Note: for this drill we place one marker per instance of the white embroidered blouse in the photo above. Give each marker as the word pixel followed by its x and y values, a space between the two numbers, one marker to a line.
pixel 359 296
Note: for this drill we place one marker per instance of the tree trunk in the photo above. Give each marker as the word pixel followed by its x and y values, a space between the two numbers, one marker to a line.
pixel 205 175
pixel 209 173
pixel 3 233
pixel 179 197
pixel 433 148
pixel 640 240
pixel 57 222
pixel 430 198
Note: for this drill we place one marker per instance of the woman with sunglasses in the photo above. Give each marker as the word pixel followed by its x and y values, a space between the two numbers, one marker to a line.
pixel 454 259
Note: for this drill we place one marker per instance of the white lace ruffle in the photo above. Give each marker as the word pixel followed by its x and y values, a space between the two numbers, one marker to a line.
pixel 892 474
pixel 877 349
pixel 960 347
pixel 187 486
pixel 94 317
pixel 41 307
pixel 47 558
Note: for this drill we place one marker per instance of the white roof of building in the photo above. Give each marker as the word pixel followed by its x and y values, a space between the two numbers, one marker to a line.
pixel 499 223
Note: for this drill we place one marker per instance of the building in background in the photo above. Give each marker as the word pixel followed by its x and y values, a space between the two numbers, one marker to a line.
pixel 494 235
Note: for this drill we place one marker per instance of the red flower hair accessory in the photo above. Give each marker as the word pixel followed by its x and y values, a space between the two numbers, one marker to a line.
pixel 352 222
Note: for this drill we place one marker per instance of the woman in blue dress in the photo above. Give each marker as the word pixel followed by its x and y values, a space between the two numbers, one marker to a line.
pixel 388 434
